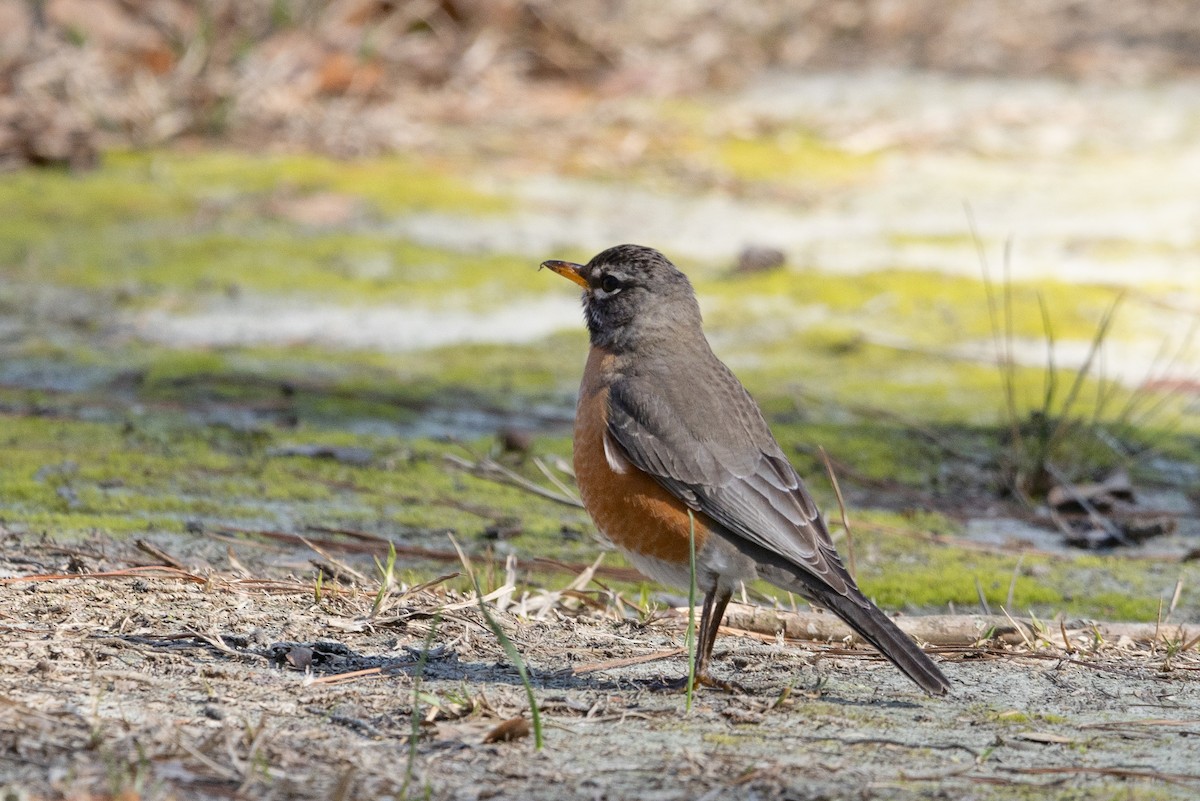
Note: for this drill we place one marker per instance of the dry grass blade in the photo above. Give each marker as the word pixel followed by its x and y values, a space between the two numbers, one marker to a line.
pixel 1012 582
pixel 159 553
pixel 983 604
pixel 1020 629
pixel 543 601
pixel 152 571
pixel 837 491
pixel 1135 406
pixel 491 470
pixel 427 585
pixel 502 591
pixel 1050 377
pixel 371 544
pixel 1001 334
pixel 214 640
pixel 340 565
pixel 1085 369
pixel 1174 599
pixel 559 484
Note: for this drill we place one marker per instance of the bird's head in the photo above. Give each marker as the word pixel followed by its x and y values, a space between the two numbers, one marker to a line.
pixel 632 294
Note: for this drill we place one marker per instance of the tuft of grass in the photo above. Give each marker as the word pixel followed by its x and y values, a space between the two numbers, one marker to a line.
pixel 387 579
pixel 1067 436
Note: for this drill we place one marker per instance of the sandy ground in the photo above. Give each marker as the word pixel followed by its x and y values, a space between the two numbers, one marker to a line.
pixel 228 679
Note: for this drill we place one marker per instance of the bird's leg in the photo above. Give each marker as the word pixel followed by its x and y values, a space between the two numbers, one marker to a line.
pixel 710 620
pixel 715 602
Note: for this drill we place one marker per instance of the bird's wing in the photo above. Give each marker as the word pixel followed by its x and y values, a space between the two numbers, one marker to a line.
pixel 714 452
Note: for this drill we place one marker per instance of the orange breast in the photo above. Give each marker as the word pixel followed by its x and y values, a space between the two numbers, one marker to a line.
pixel 629 507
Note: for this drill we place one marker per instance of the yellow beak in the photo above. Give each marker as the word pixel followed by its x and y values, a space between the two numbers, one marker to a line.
pixel 568 270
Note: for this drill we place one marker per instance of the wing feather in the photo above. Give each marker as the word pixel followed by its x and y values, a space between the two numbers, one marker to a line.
pixel 735 472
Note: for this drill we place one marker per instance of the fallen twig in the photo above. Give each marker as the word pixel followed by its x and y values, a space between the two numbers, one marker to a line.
pixel 941 630
pixel 153 571
pixel 613 664
pixel 1122 773
pixel 343 678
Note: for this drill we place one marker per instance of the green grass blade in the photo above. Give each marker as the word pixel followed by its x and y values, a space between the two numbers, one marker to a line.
pixel 691 629
pixel 418 673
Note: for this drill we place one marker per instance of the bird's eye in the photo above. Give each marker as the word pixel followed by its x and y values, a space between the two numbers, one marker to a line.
pixel 610 283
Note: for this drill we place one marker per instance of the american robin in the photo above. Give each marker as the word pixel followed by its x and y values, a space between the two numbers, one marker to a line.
pixel 663 428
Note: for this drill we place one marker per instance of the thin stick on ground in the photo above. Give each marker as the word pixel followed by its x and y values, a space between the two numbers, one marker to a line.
pixel 612 664
pixel 348 676
pixel 960 630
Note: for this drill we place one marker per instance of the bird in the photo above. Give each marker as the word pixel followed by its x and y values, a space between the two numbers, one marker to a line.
pixel 672 453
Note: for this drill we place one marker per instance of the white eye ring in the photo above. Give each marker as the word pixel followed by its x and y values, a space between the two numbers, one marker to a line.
pixel 600 294
pixel 610 284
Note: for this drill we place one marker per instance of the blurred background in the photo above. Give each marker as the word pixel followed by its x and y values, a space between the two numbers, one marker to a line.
pixel 269 267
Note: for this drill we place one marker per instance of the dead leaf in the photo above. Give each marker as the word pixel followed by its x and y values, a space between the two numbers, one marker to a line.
pixel 300 657
pixel 509 730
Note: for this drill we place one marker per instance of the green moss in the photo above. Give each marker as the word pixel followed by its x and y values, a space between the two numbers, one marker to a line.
pixel 163 217
pixel 279 260
pixel 901 572
pixel 790 154
pixel 928 307
pixel 138 477
pixel 1018 717
pixel 151 475
pixel 925 578
pixel 393 184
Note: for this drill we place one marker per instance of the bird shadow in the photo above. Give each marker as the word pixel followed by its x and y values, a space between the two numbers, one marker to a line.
pixel 329 659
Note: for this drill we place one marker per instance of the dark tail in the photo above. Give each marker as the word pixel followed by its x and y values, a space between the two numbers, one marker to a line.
pixel 877 629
